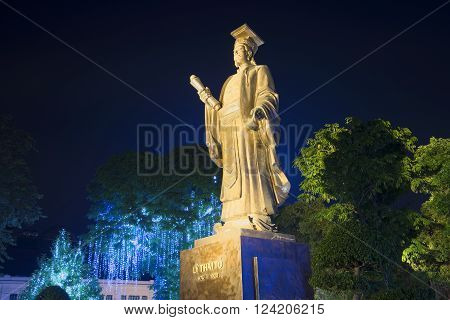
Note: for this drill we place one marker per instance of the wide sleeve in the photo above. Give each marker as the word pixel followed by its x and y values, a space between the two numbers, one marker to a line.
pixel 267 99
pixel 213 135
pixel 265 96
pixel 212 125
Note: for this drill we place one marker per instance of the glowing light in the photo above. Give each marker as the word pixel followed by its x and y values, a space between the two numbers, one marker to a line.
pixel 123 250
pixel 67 269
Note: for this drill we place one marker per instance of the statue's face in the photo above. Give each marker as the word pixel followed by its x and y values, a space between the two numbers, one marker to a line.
pixel 240 56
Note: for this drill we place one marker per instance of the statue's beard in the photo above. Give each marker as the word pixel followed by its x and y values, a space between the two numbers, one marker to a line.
pixel 238 64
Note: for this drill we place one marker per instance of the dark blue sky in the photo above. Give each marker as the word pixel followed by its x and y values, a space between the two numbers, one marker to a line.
pixel 80 115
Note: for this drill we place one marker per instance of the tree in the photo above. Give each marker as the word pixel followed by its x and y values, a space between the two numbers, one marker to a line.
pixel 429 251
pixel 140 223
pixel 67 269
pixel 300 220
pixel 358 170
pixel 18 195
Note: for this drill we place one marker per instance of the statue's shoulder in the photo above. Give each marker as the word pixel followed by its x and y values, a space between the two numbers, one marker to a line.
pixel 223 87
pixel 227 80
pixel 262 67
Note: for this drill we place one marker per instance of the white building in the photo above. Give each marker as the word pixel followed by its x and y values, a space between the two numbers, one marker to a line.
pixel 126 290
pixel 11 288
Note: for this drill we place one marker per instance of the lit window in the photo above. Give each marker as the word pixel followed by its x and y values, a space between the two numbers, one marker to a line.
pixel 13 296
pixel 109 297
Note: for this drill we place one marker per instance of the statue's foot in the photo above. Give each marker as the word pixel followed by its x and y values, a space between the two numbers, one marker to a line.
pixel 257 222
pixel 262 223
pixel 217 227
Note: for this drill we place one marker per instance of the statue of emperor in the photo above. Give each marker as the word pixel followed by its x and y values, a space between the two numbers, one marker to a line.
pixel 242 131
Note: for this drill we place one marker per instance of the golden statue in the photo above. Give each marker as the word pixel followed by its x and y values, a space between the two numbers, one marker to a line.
pixel 241 135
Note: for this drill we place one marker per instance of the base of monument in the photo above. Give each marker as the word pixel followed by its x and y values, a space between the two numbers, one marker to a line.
pixel 245 264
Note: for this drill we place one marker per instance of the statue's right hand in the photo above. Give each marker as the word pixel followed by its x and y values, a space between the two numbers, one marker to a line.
pixel 205 94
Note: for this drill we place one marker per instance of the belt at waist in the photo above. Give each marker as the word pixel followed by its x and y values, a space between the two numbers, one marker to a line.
pixel 228 110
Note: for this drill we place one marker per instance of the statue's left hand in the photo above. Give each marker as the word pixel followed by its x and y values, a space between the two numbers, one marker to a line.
pixel 258 113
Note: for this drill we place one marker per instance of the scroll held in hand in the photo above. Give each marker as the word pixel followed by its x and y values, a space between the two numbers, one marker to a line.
pixel 209 99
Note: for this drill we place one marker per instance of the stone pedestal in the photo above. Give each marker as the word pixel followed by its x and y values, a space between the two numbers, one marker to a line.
pixel 245 264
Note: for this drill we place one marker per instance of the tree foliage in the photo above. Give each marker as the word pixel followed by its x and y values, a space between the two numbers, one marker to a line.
pixel 65 268
pixel 360 163
pixel 429 251
pixel 359 170
pixel 300 219
pixel 18 195
pixel 118 187
pixel 141 222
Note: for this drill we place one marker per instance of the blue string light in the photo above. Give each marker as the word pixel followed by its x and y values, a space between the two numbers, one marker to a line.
pixel 127 251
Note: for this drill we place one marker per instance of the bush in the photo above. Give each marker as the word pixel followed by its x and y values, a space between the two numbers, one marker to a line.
pixel 53 293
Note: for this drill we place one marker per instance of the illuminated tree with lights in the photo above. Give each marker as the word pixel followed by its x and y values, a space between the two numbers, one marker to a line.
pixel 142 222
pixel 67 269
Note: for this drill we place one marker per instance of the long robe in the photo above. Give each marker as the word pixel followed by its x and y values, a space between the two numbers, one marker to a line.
pixel 252 183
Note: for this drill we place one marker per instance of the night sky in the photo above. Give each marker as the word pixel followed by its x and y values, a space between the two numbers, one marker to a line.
pixel 80 116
